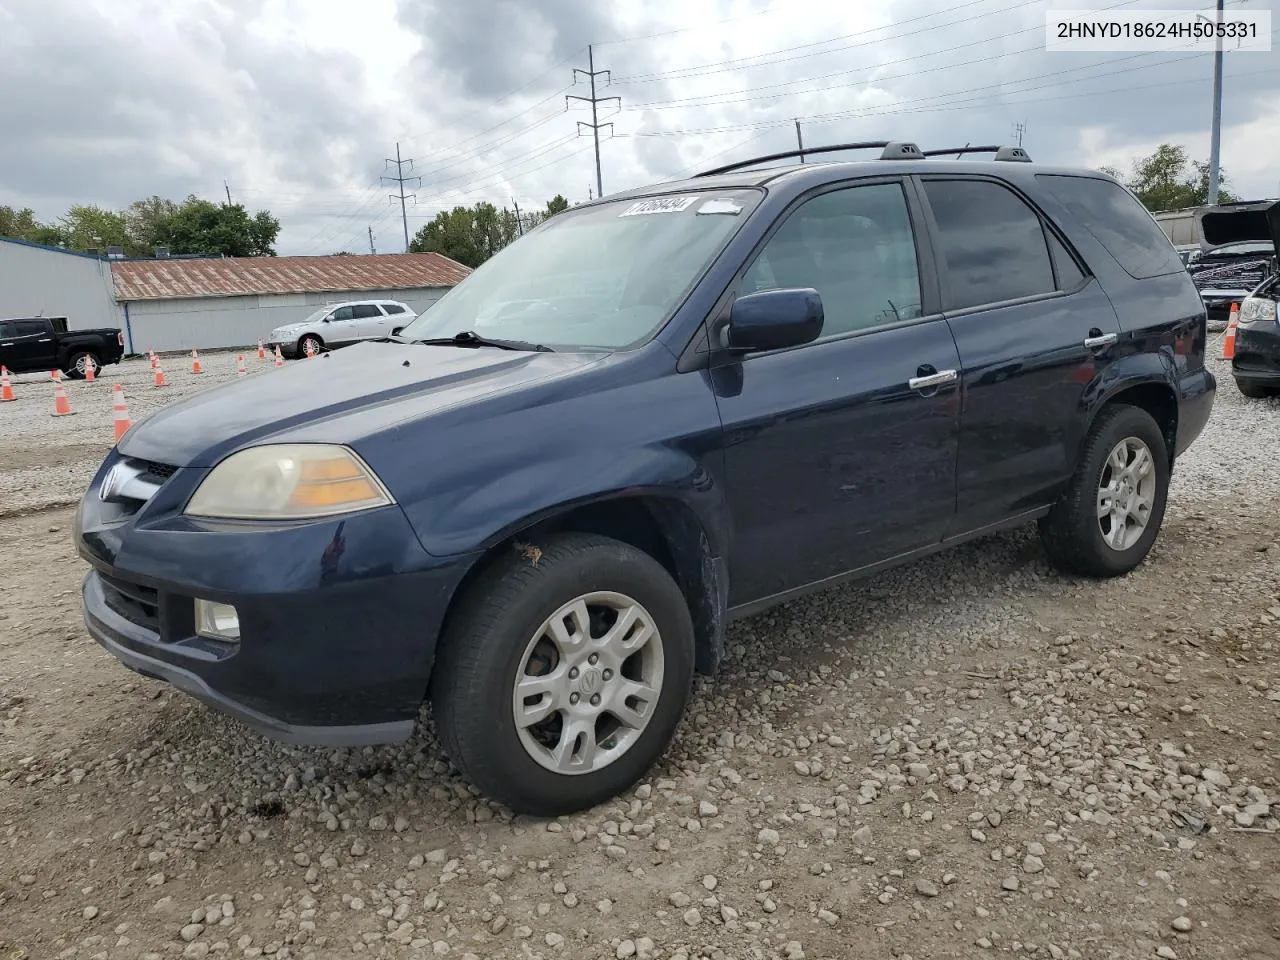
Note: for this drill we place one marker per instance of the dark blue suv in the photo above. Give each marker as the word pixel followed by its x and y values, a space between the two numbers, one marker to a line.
pixel 540 504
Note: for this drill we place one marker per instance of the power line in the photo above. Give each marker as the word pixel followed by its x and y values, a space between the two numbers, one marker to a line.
pixel 594 126
pixel 400 178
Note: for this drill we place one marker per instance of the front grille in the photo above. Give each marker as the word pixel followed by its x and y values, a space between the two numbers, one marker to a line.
pixel 161 471
pixel 138 604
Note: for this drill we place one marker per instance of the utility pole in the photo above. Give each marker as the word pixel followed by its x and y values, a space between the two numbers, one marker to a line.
pixel 594 126
pixel 228 189
pixel 1215 138
pixel 401 179
pixel 371 250
pixel 800 141
pixel 1019 129
pixel 519 219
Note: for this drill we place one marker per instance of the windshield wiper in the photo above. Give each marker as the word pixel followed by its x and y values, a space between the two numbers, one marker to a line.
pixel 469 338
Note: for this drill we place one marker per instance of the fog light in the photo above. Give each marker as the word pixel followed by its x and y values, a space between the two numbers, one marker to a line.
pixel 217 620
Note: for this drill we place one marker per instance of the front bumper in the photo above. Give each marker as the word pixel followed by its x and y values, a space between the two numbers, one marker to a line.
pixel 1257 352
pixel 338 618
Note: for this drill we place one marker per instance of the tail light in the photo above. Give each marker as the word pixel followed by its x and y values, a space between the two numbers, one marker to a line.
pixel 120 337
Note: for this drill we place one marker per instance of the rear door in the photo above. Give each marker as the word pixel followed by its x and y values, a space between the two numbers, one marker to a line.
pixel 1032 327
pixel 368 321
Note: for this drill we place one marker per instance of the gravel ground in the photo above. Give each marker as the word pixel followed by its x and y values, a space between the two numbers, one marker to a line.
pixel 970 756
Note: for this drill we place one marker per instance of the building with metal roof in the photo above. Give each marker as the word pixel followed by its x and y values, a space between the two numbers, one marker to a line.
pixel 206 303
pixel 167 303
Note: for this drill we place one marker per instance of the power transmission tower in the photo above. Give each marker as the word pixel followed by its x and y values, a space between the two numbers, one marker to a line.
pixel 594 126
pixel 401 179
pixel 371 249
pixel 1018 130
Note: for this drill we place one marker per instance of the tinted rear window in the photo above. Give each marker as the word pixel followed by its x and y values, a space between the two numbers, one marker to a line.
pixel 1118 222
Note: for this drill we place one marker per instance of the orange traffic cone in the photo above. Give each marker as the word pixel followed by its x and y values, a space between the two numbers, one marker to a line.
pixel 311 349
pixel 6 388
pixel 240 370
pixel 279 358
pixel 55 375
pixel 61 405
pixel 1229 341
pixel 121 412
pixel 160 380
pixel 155 361
pixel 90 370
pixel 195 362
pixel 262 353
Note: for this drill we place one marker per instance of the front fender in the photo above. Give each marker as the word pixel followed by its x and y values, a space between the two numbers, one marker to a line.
pixel 503 504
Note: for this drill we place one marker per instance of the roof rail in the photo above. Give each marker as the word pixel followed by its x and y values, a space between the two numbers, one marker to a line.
pixel 1012 154
pixel 889 150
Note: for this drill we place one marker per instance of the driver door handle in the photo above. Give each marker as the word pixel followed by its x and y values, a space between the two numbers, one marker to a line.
pixel 933 380
pixel 1100 340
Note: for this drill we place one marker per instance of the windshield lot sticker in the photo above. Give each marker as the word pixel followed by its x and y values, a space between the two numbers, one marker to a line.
pixel 643 208
pixel 721 205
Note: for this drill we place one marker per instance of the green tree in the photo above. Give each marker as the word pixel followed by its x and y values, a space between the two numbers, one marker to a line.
pixel 23 225
pixel 557 204
pixel 1169 180
pixel 470 235
pixel 200 226
pixel 86 226
pixel 147 221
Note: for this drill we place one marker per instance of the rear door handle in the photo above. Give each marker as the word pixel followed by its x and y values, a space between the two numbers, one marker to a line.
pixel 933 380
pixel 1103 340
pixel 45 340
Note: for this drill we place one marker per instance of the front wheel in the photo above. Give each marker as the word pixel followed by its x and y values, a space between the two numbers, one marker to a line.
pixel 1110 515
pixel 564 673
pixel 1252 389
pixel 309 345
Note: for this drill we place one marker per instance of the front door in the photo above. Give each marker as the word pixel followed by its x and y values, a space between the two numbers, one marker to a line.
pixel 840 453
pixel 340 329
pixel 1032 328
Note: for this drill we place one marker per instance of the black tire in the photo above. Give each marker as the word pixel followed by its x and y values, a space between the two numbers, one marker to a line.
pixel 75 364
pixel 1071 533
pixel 302 345
pixel 1253 389
pixel 483 649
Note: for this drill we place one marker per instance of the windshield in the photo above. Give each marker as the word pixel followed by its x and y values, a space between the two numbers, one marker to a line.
pixel 600 277
pixel 315 316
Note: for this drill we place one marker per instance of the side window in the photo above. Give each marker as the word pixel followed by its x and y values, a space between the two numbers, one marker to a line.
pixel 393 308
pixel 856 248
pixel 30 328
pixel 342 313
pixel 993 244
pixel 362 311
pixel 1117 221
pixel 7 330
pixel 1065 267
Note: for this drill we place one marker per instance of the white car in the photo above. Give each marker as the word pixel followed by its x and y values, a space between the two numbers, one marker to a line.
pixel 340 325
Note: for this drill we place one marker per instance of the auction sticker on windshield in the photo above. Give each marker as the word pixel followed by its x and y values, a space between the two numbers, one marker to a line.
pixel 658 205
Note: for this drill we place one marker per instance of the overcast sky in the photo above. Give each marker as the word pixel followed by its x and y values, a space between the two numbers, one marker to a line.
pixel 297 103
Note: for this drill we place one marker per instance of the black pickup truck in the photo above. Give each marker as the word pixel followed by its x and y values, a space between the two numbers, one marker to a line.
pixel 45 343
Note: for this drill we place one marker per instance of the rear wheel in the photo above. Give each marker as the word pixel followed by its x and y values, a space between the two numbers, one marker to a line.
pixel 1253 389
pixel 1107 521
pixel 564 673
pixel 78 365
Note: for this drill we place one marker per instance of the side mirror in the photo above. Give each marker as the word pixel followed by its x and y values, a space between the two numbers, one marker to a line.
pixel 327 318
pixel 774 319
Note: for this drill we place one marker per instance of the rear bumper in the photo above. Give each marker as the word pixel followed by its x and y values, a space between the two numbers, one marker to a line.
pixel 1196 392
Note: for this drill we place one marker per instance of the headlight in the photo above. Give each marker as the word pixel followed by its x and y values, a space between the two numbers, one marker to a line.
pixel 288 481
pixel 1257 309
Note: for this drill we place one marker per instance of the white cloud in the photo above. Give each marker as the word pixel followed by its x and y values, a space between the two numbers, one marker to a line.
pixel 296 103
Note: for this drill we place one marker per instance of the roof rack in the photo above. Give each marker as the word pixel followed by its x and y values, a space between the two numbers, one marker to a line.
pixel 1012 154
pixel 889 150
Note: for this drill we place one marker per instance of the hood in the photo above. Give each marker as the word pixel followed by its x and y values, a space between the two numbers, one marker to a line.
pixel 376 384
pixel 1239 222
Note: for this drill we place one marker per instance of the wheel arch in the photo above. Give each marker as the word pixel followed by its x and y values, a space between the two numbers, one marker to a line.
pixel 1156 396
pixel 662 526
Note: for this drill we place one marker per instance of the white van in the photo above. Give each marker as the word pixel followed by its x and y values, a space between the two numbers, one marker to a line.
pixel 340 325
